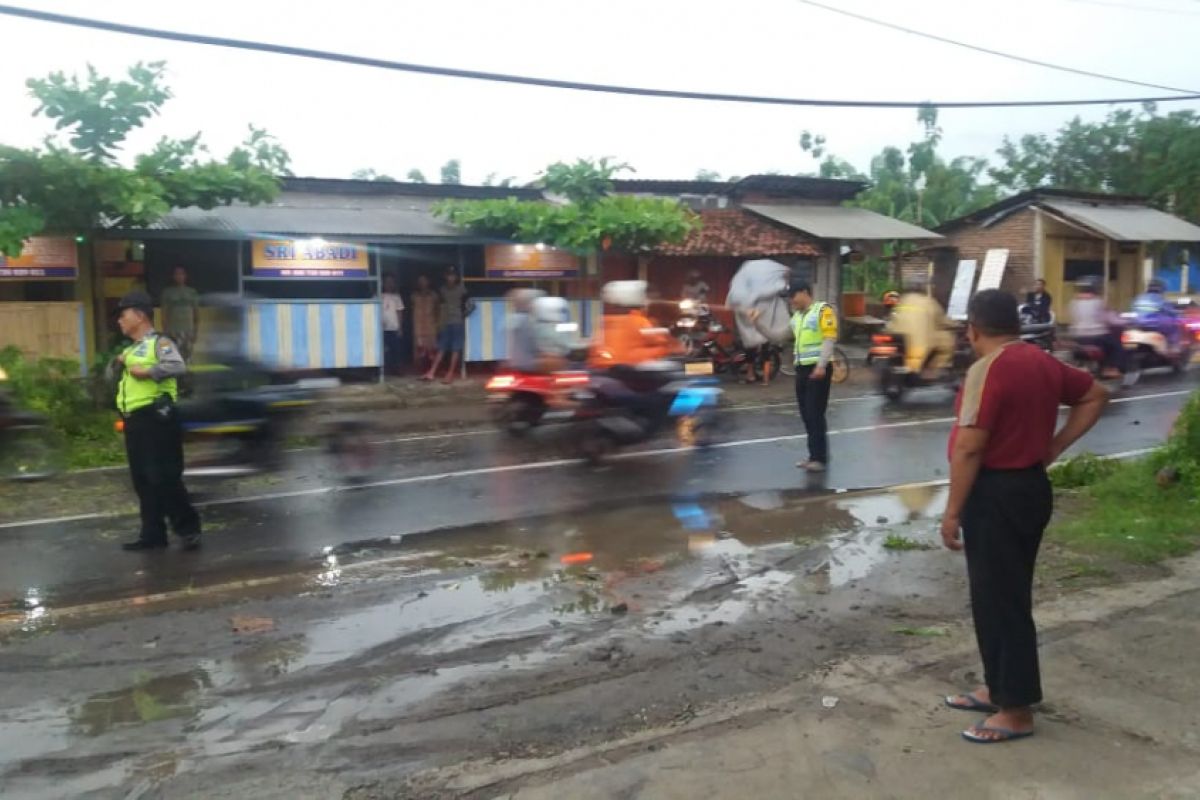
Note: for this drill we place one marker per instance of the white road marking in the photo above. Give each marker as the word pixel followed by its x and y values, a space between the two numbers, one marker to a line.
pixel 533 465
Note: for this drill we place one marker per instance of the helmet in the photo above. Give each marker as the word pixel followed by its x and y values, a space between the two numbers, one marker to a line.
pixel 891 298
pixel 1156 286
pixel 1088 283
pixel 630 294
pixel 551 309
pixel 138 300
pixel 523 299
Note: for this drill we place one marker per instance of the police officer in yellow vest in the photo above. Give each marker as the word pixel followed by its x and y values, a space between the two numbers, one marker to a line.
pixel 814 326
pixel 153 437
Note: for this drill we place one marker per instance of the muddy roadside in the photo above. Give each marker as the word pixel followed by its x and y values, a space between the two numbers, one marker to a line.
pixel 492 646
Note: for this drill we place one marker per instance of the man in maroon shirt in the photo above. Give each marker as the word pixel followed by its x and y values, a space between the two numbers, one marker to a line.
pixel 1001 500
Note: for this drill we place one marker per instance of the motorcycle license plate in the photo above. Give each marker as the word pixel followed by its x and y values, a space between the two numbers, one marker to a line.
pixel 698 368
pixel 1131 346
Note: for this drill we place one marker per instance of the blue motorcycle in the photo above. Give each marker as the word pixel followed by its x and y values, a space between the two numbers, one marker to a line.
pixel 630 405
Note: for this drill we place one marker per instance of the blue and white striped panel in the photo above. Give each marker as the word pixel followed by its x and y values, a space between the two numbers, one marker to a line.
pixel 487 331
pixel 314 335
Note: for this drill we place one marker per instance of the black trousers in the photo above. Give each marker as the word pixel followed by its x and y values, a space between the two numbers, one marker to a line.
pixel 812 396
pixel 391 351
pixel 1003 521
pixel 154 446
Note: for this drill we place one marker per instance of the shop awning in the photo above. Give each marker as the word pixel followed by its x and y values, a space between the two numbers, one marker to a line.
pixel 298 214
pixel 1124 223
pixel 841 222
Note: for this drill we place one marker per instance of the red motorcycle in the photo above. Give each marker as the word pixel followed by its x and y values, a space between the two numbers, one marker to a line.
pixel 523 400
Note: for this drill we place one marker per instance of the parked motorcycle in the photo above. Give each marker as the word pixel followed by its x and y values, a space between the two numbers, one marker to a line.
pixel 1041 334
pixel 633 404
pixel 888 356
pixel 29 449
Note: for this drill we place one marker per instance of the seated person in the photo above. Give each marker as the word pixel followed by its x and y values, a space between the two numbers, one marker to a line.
pixel 522 331
pixel 1090 326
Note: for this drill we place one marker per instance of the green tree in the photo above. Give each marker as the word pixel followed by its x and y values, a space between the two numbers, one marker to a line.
pixel 915 184
pixel 707 175
pixel 582 214
pixel 74 182
pixel 369 174
pixel 1129 152
pixel 452 172
pixel 415 176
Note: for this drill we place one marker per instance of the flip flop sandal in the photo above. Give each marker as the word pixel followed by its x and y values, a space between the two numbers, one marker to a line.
pixel 972 703
pixel 978 734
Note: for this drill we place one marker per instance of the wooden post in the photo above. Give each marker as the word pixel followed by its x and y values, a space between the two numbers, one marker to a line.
pixel 1107 247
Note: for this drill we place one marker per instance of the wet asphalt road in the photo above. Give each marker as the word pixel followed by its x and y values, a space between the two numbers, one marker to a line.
pixel 449 481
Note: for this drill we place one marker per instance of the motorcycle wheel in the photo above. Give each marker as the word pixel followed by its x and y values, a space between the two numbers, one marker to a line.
pixel 890 386
pixel 594 445
pixel 356 457
pixel 519 414
pixel 30 454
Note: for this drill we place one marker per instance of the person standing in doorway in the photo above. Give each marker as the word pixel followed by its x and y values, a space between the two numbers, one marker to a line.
pixel 181 313
pixel 424 302
pixel 815 328
pixel 392 308
pixel 1041 305
pixel 146 396
pixel 1001 500
pixel 452 334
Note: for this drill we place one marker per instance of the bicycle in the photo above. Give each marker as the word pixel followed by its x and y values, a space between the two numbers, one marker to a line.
pixel 839 366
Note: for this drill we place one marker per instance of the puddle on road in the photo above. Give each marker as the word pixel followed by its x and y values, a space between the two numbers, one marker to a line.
pixel 151 700
pixel 668 567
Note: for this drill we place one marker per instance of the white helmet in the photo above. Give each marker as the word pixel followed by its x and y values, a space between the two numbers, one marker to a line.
pixel 630 294
pixel 551 309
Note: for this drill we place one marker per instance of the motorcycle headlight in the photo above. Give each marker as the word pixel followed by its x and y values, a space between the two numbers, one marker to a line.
pixel 3 374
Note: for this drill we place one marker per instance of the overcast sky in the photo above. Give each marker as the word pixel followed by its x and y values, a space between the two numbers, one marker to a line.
pixel 335 119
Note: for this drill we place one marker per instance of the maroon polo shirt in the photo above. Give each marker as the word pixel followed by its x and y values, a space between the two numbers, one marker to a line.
pixel 1014 394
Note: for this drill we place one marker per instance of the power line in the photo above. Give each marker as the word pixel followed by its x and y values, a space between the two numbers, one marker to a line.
pixel 551 83
pixel 979 49
pixel 1132 7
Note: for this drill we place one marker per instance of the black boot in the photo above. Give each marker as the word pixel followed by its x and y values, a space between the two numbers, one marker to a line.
pixel 143 544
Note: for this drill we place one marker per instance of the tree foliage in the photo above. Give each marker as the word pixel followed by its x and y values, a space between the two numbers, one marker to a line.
pixel 915 184
pixel 415 176
pixel 369 174
pixel 582 214
pixel 1129 152
pixel 78 184
pixel 452 172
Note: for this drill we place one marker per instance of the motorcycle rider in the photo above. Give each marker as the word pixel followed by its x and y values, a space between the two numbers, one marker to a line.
pixel 629 337
pixel 522 336
pixel 920 319
pixel 630 348
pixel 551 330
pixel 1154 310
pixel 1090 326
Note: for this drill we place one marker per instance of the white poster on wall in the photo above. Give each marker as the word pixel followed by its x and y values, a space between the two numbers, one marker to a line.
pixel 960 294
pixel 993 268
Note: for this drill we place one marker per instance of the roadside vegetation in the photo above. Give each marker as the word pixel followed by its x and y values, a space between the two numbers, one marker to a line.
pixel 1140 511
pixel 53 387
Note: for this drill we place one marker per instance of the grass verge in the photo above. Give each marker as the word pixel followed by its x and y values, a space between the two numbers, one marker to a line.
pixel 1140 511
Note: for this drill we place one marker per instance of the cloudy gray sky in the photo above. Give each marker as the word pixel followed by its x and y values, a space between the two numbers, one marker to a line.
pixel 335 119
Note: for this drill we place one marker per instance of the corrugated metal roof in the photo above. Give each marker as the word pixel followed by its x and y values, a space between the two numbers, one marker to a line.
pixel 1125 223
pixel 841 222
pixel 377 217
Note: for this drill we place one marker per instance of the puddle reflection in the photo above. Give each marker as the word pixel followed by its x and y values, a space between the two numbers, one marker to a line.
pixel 151 700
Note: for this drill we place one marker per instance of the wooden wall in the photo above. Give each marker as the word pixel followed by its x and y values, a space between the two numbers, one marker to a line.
pixel 42 329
